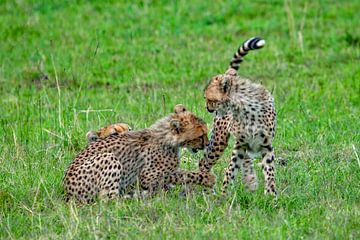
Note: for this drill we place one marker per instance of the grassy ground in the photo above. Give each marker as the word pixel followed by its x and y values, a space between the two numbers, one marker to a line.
pixel 133 63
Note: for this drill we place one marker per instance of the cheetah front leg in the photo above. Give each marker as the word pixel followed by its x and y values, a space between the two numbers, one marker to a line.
pixel 151 181
pixel 184 177
pixel 268 169
pixel 218 143
pixel 240 156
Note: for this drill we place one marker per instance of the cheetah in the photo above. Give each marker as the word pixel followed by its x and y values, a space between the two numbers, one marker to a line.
pixel 104 132
pixel 149 157
pixel 245 110
pixel 118 128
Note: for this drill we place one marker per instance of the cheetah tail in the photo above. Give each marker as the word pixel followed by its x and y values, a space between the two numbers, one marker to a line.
pixel 250 44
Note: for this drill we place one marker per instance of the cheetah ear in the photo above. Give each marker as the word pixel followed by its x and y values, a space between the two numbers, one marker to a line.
pixel 92 136
pixel 175 126
pixel 225 85
pixel 179 109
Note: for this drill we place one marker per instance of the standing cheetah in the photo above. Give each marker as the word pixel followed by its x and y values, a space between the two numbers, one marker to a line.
pixel 245 110
pixel 109 166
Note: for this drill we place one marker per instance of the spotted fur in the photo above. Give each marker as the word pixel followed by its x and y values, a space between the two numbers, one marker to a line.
pixel 245 110
pixel 109 167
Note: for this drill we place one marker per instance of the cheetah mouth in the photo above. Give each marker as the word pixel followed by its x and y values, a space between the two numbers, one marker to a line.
pixel 193 150
pixel 210 110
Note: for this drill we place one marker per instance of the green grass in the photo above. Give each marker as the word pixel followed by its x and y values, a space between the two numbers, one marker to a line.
pixel 135 62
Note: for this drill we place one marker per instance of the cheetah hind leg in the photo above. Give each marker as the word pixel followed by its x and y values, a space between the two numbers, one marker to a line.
pixel 135 192
pixel 249 176
pixel 109 177
pixel 132 191
pixel 240 156
pixel 268 170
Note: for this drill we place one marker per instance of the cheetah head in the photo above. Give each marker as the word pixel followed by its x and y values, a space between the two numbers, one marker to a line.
pixel 104 132
pixel 217 92
pixel 189 130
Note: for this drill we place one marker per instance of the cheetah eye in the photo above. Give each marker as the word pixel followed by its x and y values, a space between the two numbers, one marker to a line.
pixel 93 138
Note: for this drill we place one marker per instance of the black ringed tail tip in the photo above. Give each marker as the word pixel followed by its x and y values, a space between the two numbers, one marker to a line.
pixel 250 44
pixel 254 43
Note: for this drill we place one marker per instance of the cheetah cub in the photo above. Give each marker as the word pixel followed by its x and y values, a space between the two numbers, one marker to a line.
pixel 245 110
pixel 104 132
pixel 150 157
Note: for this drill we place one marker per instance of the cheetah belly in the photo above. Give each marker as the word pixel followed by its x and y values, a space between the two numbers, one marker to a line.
pixel 251 132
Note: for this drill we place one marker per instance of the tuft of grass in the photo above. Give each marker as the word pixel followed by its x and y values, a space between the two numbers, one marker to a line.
pixel 67 67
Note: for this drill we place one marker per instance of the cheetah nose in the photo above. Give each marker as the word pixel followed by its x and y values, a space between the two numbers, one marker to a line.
pixel 209 110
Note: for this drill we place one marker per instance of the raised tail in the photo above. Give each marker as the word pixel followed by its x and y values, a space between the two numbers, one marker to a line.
pixel 250 44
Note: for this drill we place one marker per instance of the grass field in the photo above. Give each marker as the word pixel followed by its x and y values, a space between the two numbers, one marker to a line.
pixel 70 67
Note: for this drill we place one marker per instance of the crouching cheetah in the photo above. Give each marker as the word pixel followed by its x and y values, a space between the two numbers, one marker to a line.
pixel 104 132
pixel 109 166
pixel 245 110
